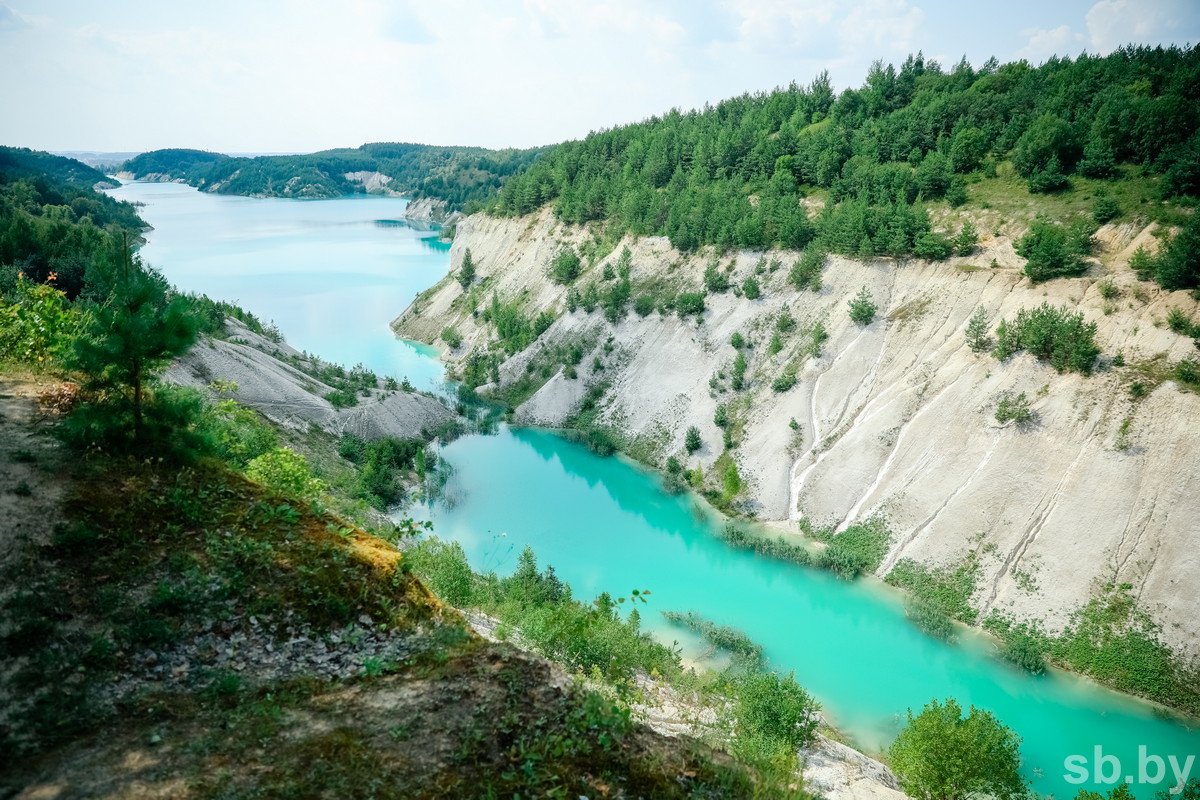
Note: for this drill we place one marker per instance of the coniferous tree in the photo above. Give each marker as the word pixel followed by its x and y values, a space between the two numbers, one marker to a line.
pixel 466 273
pixel 126 340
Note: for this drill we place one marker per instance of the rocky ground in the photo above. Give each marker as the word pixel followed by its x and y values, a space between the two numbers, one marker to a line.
pixel 269 381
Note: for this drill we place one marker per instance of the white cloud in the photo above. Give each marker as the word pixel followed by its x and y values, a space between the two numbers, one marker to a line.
pixel 881 26
pixel 1112 23
pixel 11 20
pixel 298 75
pixel 1042 43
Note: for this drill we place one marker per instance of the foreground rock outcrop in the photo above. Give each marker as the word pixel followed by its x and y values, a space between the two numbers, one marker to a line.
pixel 290 397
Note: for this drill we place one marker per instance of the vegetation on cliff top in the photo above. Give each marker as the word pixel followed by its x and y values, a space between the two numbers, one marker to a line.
pixel 736 175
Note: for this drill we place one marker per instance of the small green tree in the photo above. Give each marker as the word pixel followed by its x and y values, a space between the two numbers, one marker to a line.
pixel 1179 265
pixel 751 289
pixel 565 266
pixel 721 416
pixel 964 243
pixel 977 331
pixel 806 272
pixel 690 303
pixel 940 755
pixel 1143 263
pixel 1105 209
pixel 466 273
pixel 691 440
pixel 956 195
pixel 733 481
pixel 738 379
pixel 126 340
pixel 714 279
pixel 1013 408
pixel 862 307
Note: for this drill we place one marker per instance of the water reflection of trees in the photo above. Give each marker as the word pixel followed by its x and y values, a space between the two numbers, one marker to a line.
pixel 631 489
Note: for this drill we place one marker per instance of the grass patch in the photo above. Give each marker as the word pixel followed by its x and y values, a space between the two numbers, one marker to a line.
pixel 947 588
pixel 1111 640
pixel 858 550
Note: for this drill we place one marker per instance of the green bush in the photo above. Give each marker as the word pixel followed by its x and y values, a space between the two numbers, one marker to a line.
pixel 38 325
pixel 731 640
pixel 236 433
pixel 751 289
pixel 643 305
pixel 785 381
pixel 285 471
pixel 689 303
pixel 930 618
pixel 715 280
pixel 738 377
pixel 776 708
pixel 1057 335
pixel 1049 179
pixel 949 587
pixel 451 337
pixel 1053 251
pixel 1179 265
pixel 806 272
pixel 1105 209
pixel 1179 321
pixel 862 307
pixel 585 637
pixel 940 755
pixel 1143 264
pixel 691 440
pixel 1023 648
pixel 1014 408
pixel 858 550
pixel 933 246
pixel 565 266
pixel 770 547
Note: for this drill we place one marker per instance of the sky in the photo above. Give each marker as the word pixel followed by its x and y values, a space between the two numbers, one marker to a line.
pixel 240 76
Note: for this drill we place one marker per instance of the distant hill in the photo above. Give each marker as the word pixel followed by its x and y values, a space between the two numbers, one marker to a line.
pixel 21 162
pixel 53 222
pixel 462 177
pixel 98 158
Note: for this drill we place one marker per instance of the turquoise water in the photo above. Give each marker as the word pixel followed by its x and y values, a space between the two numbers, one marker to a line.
pixel 332 278
pixel 330 274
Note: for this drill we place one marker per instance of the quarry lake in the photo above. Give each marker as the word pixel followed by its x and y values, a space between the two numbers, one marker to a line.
pixel 332 274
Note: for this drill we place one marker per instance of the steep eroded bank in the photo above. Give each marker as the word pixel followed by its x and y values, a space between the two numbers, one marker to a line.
pixel 896 417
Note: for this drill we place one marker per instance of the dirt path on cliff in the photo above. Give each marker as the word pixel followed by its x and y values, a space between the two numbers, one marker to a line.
pixel 31 464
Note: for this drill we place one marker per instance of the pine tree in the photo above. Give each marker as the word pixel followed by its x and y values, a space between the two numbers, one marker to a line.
pixel 964 243
pixel 466 273
pixel 977 331
pixel 127 339
pixel 862 307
